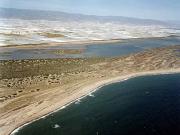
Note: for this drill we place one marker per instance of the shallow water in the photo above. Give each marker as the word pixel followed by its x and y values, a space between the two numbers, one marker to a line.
pixel 93 50
pixel 148 105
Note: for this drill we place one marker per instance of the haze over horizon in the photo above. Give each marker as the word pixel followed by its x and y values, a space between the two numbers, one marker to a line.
pixel 158 10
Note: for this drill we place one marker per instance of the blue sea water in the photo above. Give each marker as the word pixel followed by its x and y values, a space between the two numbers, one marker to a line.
pixel 148 105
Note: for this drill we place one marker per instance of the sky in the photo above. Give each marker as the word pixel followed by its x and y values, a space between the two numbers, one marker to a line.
pixel 146 9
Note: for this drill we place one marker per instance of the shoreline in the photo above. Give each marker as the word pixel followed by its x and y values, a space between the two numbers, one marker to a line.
pixel 89 89
pixel 50 89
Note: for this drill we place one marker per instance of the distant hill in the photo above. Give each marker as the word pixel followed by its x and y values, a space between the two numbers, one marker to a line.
pixel 62 16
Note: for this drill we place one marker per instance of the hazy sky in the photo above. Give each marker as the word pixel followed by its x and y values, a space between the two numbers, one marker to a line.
pixel 152 9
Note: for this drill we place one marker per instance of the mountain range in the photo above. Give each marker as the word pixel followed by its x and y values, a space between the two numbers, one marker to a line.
pixel 27 14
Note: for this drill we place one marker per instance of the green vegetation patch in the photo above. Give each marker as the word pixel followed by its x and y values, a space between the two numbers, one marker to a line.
pixel 52 35
pixel 68 51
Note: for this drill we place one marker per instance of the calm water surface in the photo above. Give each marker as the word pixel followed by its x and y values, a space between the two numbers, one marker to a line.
pixel 94 50
pixel 140 106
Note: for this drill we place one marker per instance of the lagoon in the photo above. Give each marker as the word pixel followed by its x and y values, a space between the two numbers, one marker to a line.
pixel 124 47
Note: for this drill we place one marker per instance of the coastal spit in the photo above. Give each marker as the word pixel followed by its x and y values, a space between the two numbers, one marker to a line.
pixel 30 89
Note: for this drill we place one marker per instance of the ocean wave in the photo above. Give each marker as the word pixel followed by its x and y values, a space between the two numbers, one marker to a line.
pixel 78 102
pixel 91 95
pixel 56 126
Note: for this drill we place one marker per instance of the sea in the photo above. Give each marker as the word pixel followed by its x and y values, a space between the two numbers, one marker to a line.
pixel 146 105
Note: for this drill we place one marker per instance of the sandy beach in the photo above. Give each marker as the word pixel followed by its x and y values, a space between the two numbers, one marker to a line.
pixel 40 87
pixel 89 89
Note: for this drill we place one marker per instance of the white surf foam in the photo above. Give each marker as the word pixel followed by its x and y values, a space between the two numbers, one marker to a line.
pixel 91 95
pixel 56 126
pixel 78 102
